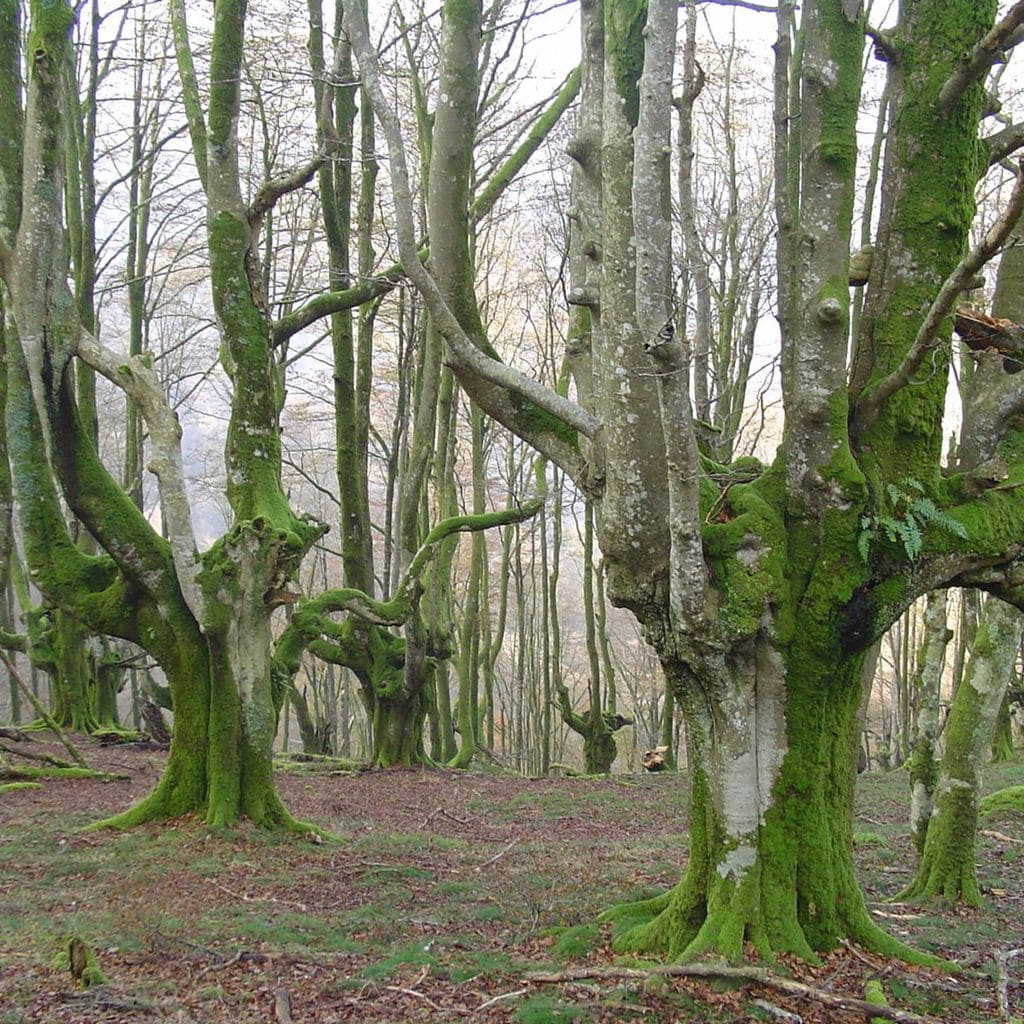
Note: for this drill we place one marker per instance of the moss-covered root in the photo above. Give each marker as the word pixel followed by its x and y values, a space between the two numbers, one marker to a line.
pixel 875 994
pixel 9 787
pixel 727 920
pixel 166 801
pixel 76 957
pixel 1010 799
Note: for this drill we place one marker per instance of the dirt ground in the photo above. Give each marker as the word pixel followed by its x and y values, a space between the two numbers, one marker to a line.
pixel 440 894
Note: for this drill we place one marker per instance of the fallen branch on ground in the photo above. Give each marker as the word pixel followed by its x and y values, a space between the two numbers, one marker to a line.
pixel 41 711
pixel 757 975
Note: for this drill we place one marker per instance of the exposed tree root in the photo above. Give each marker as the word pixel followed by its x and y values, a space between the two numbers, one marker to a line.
pixel 757 975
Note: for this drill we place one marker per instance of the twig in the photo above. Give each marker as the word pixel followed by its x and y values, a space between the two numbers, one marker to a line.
pixel 501 998
pixel 258 899
pixel 778 1012
pixel 417 995
pixel 224 964
pixel 1002 837
pixel 42 712
pixel 757 975
pixel 498 856
pixel 1002 959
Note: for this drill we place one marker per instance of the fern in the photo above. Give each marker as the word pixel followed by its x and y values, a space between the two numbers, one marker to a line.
pixel 910 533
pixel 924 509
pixel 905 526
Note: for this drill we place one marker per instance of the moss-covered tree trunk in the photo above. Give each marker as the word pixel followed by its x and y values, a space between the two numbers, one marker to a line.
pixel 924 765
pixel 946 867
pixel 1002 737
pixel 772 797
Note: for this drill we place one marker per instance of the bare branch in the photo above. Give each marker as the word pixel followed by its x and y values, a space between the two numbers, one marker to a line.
pixel 989 51
pixel 273 190
pixel 1003 143
pixel 745 4
pixel 871 403
pixel 758 975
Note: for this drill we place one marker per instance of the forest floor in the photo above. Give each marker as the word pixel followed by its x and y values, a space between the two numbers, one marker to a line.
pixel 441 893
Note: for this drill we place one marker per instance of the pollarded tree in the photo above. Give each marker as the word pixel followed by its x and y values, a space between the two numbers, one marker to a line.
pixel 761 593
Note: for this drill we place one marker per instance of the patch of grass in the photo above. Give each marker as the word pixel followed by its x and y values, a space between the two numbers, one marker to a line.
pixel 868 839
pixel 577 941
pixel 468 964
pixel 454 888
pixel 488 912
pixel 290 929
pixel 415 954
pixel 545 1010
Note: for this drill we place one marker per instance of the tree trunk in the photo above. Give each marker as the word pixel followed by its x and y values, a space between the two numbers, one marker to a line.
pixel 924 767
pixel 947 865
pixel 771 748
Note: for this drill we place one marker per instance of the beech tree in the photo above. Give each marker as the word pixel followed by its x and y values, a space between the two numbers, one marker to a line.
pixel 761 587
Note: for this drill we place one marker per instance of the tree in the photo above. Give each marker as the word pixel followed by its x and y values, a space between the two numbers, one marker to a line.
pixel 761 589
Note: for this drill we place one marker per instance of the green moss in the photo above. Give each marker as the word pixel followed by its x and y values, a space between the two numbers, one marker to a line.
pixel 838 141
pixel 1009 799
pixel 624 51
pixel 79 960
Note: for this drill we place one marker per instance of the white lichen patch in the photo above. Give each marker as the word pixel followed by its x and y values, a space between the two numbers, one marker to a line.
pixel 737 862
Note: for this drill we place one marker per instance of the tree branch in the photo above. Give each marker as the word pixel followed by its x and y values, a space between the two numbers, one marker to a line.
pixel 1003 143
pixel 138 380
pixel 989 51
pixel 870 405
pixel 462 353
pixel 334 302
pixel 757 975
pixel 271 191
pixel 485 201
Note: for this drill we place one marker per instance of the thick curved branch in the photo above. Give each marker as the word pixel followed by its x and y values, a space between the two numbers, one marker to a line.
pixel 334 302
pixel 870 405
pixel 989 51
pixel 463 355
pixel 540 130
pixel 194 115
pixel 311 623
pixel 139 381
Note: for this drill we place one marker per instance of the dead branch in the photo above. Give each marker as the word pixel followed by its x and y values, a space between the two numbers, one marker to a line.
pixel 259 899
pixel 757 975
pixel 498 856
pixel 501 998
pixel 41 711
pixel 777 1012
pixel 417 995
pixel 1002 959
pixel 45 758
